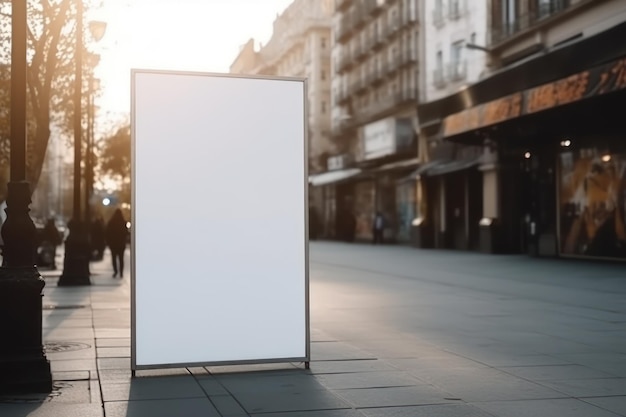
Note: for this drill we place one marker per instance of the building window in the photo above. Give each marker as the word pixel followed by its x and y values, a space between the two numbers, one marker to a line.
pixel 509 16
pixel 323 107
pixel 438 75
pixel 323 75
pixel 457 65
pixel 438 13
pixel 323 43
pixel 456 50
pixel 454 11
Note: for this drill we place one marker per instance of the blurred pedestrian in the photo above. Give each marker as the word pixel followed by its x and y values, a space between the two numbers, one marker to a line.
pixel 378 228
pixel 50 239
pixel 116 234
pixel 98 242
pixel 314 223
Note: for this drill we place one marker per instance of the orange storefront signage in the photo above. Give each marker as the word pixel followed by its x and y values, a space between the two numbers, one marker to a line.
pixel 593 82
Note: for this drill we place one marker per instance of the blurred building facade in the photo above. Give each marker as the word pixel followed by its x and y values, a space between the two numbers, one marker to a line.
pixel 489 125
pixel 300 46
pixel 374 69
pixel 449 180
pixel 546 115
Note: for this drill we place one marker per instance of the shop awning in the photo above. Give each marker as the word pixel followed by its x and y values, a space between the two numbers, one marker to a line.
pixel 407 163
pixel 444 166
pixel 425 167
pixel 447 167
pixel 332 176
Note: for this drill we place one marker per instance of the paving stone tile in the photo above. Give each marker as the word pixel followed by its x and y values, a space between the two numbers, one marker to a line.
pixel 73 365
pixel 614 364
pixel 275 368
pixel 75 392
pixel 439 410
pixel 114 375
pixel 113 363
pixel 227 405
pixel 568 407
pixel 103 333
pixel 71 375
pixel 163 372
pixel 113 342
pixel 322 413
pixel 365 365
pixel 393 396
pixel 51 409
pixel 487 384
pixel 152 388
pixel 337 351
pixel 259 402
pixel 442 361
pixel 295 383
pixel 192 407
pixel 547 373
pixel 113 352
pixel 600 387
pixel 616 405
pixel 367 380
pixel 94 391
pixel 211 386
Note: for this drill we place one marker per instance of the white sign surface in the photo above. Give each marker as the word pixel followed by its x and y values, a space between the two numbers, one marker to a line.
pixel 379 138
pixel 219 245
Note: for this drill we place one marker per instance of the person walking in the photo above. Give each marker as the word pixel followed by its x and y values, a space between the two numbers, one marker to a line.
pixel 50 239
pixel 97 239
pixel 116 235
pixel 378 228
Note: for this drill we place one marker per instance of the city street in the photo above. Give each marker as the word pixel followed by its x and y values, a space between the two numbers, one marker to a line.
pixel 395 331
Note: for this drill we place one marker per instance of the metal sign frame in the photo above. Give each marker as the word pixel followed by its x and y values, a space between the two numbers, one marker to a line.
pixel 168 100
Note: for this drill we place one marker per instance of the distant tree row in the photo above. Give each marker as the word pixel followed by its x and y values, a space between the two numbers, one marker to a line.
pixel 50 79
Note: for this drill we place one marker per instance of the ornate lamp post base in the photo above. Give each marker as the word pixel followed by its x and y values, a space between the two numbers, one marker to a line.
pixel 76 260
pixel 23 364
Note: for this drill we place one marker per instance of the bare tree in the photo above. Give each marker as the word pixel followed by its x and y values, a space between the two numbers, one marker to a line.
pixel 50 78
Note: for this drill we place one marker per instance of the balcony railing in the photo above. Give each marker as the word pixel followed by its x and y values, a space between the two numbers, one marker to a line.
pixel 457 70
pixel 370 6
pixel 343 96
pixel 439 79
pixel 345 28
pixel 393 26
pixel 408 56
pixel 361 51
pixel 378 39
pixel 378 75
pixel 345 61
pixel 394 64
pixel 358 86
pixel 386 104
pixel 406 95
pixel 359 17
pixel 408 17
pixel 503 30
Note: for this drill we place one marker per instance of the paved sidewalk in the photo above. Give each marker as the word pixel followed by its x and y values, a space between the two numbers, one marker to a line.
pixel 86 331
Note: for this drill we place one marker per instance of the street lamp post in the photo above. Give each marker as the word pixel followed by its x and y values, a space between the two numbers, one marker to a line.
pixel 97 29
pixel 23 363
pixel 76 261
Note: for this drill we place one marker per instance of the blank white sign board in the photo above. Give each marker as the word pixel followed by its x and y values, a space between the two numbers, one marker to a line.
pixel 219 223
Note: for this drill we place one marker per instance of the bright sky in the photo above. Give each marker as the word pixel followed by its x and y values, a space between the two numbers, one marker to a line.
pixel 192 35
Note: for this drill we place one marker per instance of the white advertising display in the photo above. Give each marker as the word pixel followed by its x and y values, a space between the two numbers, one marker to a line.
pixel 219 220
